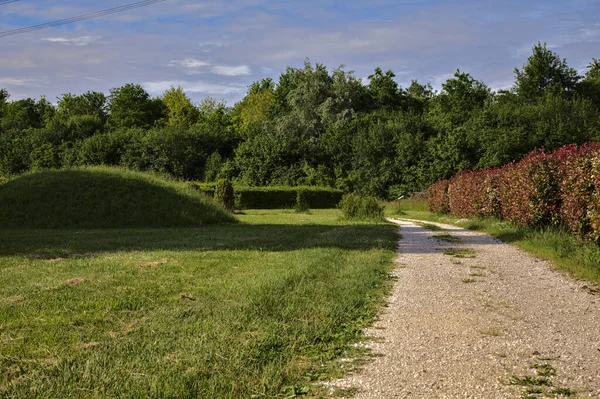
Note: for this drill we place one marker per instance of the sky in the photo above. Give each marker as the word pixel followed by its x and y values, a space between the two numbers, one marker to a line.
pixel 217 48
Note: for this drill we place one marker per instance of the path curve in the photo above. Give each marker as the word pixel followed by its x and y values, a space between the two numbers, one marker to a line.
pixel 477 325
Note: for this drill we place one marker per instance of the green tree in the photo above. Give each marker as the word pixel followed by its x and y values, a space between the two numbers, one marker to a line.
pixel 91 103
pixel 180 110
pixel 590 85
pixel 384 90
pixel 26 113
pixel 418 96
pixel 543 72
pixel 254 107
pixel 4 96
pixel 131 106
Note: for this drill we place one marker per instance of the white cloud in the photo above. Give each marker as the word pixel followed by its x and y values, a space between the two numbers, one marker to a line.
pixel 15 82
pixel 192 65
pixel 75 41
pixel 228 70
pixel 193 87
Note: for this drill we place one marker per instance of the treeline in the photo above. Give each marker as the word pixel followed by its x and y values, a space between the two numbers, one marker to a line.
pixel 313 127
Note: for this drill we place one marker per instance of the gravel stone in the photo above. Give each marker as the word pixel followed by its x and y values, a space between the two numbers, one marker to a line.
pixel 441 337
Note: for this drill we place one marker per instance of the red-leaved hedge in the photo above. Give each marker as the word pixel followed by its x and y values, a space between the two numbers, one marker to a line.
pixel 542 189
pixel 437 197
pixel 474 193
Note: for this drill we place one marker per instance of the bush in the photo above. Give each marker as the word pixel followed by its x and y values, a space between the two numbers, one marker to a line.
pixel 302 204
pixel 528 191
pixel 437 197
pixel 350 205
pixel 579 189
pixel 224 194
pixel 543 189
pixel 278 197
pixel 474 194
pixel 355 207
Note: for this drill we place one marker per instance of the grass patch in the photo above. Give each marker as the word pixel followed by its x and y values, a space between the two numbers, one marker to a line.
pixel 469 280
pixel 445 237
pixel 103 197
pixel 256 309
pixel 460 252
pixel 544 370
pixel 530 381
pixel 429 226
pixel 581 259
pixel 493 332
pixel 404 207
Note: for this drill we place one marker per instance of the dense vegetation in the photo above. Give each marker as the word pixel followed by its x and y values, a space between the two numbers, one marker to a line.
pixel 101 197
pixel 313 127
pixel 556 189
pixel 254 309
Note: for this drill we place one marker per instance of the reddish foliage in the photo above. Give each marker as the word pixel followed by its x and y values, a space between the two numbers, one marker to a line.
pixel 579 186
pixel 437 197
pixel 540 190
pixel 475 194
pixel 528 190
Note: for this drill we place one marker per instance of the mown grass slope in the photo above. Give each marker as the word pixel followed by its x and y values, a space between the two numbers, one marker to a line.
pixel 255 309
pixel 102 197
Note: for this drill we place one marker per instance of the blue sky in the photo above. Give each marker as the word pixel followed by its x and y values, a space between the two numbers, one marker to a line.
pixel 217 48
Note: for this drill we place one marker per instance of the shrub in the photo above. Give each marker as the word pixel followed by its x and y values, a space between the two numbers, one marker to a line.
pixel 543 189
pixel 437 197
pixel 350 205
pixel 224 194
pixel 302 204
pixel 355 207
pixel 473 194
pixel 528 191
pixel 278 197
pixel 579 189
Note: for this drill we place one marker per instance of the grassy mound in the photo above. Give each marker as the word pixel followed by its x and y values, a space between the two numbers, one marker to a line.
pixel 102 197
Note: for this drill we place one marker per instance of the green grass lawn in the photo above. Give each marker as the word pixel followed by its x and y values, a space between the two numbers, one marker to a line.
pixel 581 259
pixel 255 309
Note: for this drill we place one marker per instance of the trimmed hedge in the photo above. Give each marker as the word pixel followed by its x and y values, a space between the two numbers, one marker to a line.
pixel 543 189
pixel 437 197
pixel 481 194
pixel 278 197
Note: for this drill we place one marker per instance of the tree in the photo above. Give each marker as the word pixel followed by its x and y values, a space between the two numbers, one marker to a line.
pixel 254 108
pixel 384 90
pixel 131 106
pixel 418 96
pixel 91 103
pixel 461 96
pixel 4 96
pixel 180 110
pixel 26 113
pixel 590 85
pixel 544 71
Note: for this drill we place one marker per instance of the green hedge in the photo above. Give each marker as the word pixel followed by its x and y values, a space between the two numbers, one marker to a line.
pixel 278 197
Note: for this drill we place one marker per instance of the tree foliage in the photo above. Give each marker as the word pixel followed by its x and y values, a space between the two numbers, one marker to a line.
pixel 543 72
pixel 313 126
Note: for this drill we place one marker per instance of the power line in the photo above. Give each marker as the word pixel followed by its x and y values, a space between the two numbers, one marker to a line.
pixel 78 18
pixel 7 1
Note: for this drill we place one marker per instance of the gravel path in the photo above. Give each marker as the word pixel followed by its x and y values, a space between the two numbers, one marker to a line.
pixel 472 317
